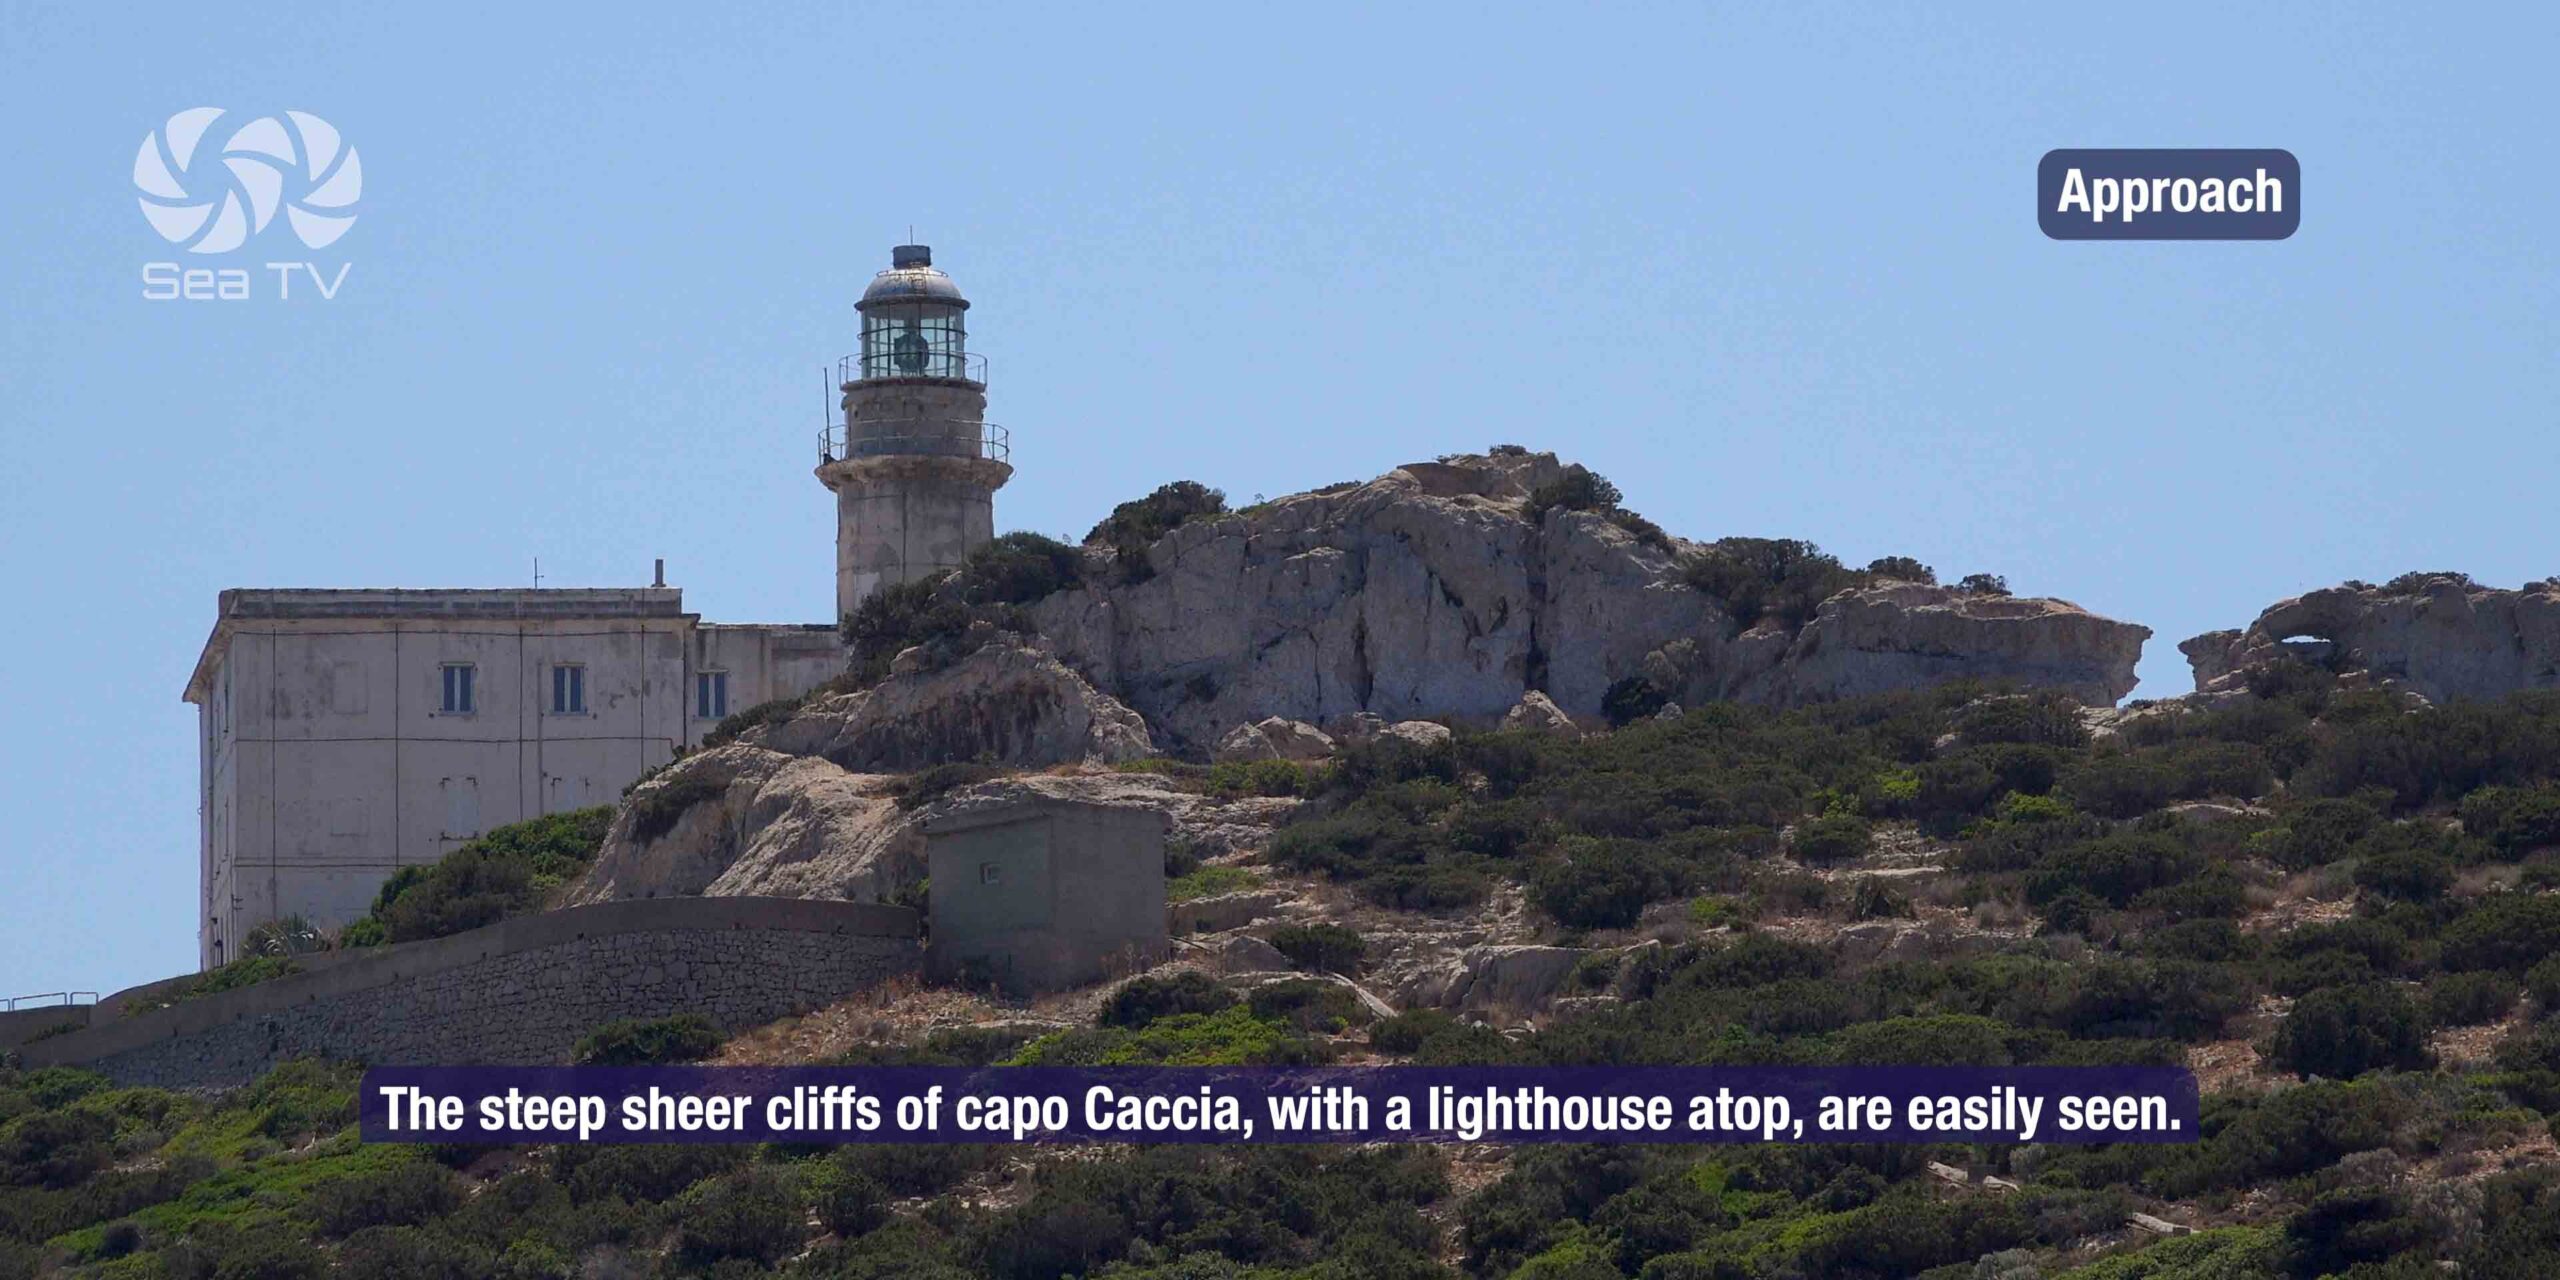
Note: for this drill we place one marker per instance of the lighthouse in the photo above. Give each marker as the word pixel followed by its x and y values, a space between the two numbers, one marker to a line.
pixel 913 462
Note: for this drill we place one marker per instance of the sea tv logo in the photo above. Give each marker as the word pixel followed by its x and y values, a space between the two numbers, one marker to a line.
pixel 215 191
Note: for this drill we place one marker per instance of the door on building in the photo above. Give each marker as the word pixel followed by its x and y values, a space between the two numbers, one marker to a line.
pixel 461 808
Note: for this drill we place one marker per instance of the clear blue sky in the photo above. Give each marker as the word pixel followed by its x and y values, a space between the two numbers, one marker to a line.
pixel 1776 272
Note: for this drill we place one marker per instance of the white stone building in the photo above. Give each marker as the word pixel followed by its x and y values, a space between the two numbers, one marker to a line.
pixel 348 733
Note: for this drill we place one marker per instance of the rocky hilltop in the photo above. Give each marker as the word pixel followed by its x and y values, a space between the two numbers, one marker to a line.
pixel 1438 591
pixel 2438 635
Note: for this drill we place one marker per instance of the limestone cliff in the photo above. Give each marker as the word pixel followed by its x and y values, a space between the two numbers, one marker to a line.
pixel 1427 593
pixel 2440 636
pixel 1002 704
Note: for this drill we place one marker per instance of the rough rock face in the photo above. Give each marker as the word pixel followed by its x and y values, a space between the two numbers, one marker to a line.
pixel 1426 593
pixel 769 824
pixel 1902 635
pixel 2440 637
pixel 1004 704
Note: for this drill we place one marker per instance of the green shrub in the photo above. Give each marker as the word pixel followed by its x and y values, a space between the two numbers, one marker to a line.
pixel 2542 982
pixel 2346 1228
pixel 403 1195
pixel 1140 1001
pixel 686 1037
pixel 2515 819
pixel 1834 838
pixel 2036 719
pixel 1406 1032
pixel 1308 1005
pixel 505 872
pixel 2343 1032
pixel 1606 884
pixel 2509 931
pixel 411 1253
pixel 1134 527
pixel 1631 699
pixel 2320 832
pixel 1230 1037
pixel 2414 875
pixel 1209 882
pixel 2468 999
pixel 923 787
pixel 937 614
pixel 1769 577
pixel 1902 569
pixel 1231 778
pixel 640 1174
pixel 1321 948
pixel 752 1214
pixel 851 1202
pixel 55 1148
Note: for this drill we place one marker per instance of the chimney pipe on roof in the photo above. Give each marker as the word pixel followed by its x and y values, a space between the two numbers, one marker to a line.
pixel 662 573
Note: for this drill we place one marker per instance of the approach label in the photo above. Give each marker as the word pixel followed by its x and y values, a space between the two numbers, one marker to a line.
pixel 2159 194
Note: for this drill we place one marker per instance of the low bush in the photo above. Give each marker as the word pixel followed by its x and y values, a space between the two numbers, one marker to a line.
pixel 2469 999
pixel 1321 948
pixel 1232 778
pixel 2510 931
pixel 404 1195
pixel 1308 1005
pixel 1140 1001
pixel 754 1214
pixel 1834 838
pixel 2517 820
pixel 2343 1032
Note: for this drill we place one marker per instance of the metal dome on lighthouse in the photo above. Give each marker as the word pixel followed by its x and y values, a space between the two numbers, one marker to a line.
pixel 913 462
pixel 913 321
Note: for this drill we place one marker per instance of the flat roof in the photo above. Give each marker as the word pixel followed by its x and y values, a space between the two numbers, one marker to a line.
pixel 458 604
pixel 1033 806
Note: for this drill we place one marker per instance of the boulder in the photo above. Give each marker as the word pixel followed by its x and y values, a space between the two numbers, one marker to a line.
pixel 1245 953
pixel 1420 733
pixel 1275 738
pixel 2439 636
pixel 1244 744
pixel 1510 976
pixel 1537 713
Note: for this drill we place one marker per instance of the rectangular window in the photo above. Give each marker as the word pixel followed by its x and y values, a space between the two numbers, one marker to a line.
pixel 458 699
pixel 568 691
pixel 710 695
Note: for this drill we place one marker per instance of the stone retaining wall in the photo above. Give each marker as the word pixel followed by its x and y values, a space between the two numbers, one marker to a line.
pixel 521 991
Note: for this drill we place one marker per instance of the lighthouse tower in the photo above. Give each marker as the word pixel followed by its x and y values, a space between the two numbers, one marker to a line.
pixel 914 463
